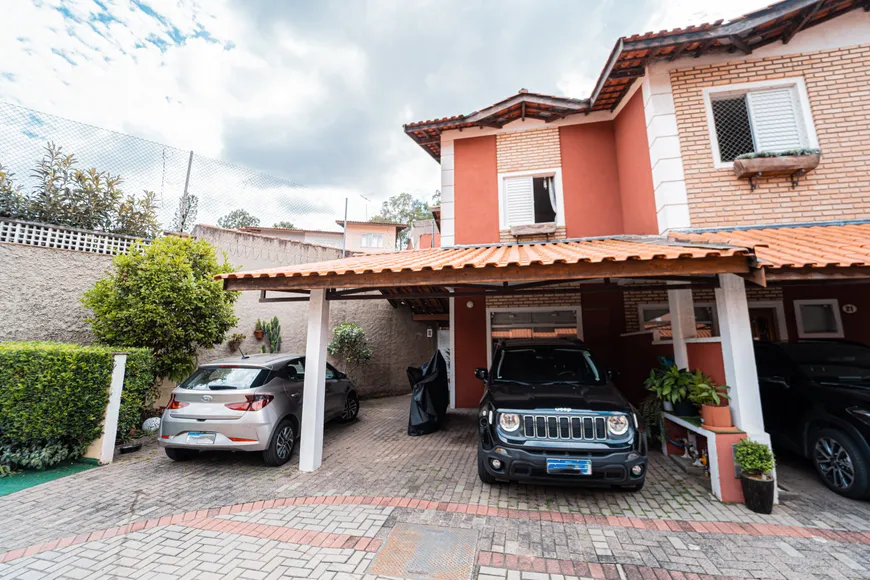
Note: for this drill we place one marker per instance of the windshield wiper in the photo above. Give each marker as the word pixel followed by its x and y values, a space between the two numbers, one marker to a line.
pixel 513 382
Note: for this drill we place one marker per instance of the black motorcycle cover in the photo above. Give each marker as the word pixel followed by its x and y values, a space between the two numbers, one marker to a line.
pixel 430 395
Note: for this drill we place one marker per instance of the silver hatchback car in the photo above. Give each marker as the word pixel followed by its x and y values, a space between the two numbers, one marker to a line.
pixel 249 403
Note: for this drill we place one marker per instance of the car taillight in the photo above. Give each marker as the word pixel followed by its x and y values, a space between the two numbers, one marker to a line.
pixel 175 404
pixel 253 403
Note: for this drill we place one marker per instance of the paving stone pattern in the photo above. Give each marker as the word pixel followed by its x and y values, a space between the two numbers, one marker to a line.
pixel 223 515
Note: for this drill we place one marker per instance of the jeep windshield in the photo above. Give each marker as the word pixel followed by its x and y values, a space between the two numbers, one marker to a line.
pixel 538 365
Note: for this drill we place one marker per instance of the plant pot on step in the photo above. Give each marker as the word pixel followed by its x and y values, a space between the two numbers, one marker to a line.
pixel 685 409
pixel 714 416
pixel 758 492
pixel 258 334
pixel 668 406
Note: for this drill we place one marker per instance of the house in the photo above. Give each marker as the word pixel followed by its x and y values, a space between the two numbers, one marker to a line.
pixel 625 219
pixel 424 234
pixel 316 237
pixel 372 237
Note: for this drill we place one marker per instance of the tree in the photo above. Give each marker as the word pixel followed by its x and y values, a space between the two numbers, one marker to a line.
pixel 284 224
pixel 87 199
pixel 403 208
pixel 185 213
pixel 164 297
pixel 349 347
pixel 237 219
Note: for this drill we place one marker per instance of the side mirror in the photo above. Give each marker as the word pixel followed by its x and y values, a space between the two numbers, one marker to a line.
pixel 481 374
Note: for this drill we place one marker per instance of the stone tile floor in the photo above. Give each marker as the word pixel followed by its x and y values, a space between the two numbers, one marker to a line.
pixel 226 515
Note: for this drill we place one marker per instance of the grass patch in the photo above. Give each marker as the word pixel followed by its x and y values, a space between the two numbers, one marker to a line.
pixel 30 478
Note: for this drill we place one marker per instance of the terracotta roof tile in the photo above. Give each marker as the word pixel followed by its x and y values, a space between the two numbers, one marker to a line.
pixel 796 247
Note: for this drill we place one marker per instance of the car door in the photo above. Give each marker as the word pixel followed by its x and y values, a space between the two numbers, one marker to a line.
pixel 335 392
pixel 780 389
pixel 293 376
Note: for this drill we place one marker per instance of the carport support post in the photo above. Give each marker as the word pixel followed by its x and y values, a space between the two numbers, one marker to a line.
pixel 682 309
pixel 314 392
pixel 103 449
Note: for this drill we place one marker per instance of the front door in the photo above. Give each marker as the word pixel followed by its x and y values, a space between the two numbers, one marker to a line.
pixel 764 323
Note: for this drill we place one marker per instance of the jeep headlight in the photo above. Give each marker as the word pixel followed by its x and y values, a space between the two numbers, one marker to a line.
pixel 617 424
pixel 509 422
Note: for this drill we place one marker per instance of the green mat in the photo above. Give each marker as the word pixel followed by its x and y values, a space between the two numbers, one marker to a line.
pixel 25 479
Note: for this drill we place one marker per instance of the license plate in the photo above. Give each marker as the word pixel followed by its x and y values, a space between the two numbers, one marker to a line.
pixel 577 466
pixel 199 438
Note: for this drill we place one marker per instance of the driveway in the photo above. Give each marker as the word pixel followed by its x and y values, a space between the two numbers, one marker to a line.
pixel 385 503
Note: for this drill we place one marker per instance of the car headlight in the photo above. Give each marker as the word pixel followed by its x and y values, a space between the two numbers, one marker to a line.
pixel 617 424
pixel 509 421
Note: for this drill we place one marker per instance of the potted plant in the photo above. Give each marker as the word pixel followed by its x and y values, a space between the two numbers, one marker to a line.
pixel 671 385
pixel 235 340
pixel 258 330
pixel 712 398
pixel 756 464
pixel 776 162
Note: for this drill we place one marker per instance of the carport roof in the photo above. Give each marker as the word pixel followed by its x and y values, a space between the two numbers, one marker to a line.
pixel 621 256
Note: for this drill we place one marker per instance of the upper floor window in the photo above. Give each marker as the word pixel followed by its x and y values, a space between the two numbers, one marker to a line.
pixel 767 116
pixel 530 198
pixel 372 240
pixel 818 318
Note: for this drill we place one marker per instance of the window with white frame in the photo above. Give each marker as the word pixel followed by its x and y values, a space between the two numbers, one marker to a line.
pixel 657 317
pixel 372 240
pixel 818 318
pixel 759 117
pixel 529 199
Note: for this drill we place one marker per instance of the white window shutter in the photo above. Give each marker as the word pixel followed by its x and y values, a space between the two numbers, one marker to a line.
pixel 519 201
pixel 776 120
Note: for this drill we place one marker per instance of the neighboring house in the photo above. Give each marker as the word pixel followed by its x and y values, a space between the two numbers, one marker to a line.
pixel 317 237
pixel 424 234
pixel 372 237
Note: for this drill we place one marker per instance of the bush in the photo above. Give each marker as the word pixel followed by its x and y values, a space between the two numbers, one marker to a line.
pixel 703 390
pixel 164 297
pixel 669 383
pixel 349 346
pixel 754 458
pixel 53 398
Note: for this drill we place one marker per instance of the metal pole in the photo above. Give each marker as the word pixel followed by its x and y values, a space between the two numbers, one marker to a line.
pixel 184 209
pixel 344 240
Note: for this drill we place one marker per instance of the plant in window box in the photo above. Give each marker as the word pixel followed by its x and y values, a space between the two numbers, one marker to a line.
pixel 793 161
pixel 712 398
pixel 756 464
pixel 671 385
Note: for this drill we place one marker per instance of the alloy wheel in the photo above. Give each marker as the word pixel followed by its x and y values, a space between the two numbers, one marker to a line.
pixel 834 463
pixel 285 441
pixel 351 408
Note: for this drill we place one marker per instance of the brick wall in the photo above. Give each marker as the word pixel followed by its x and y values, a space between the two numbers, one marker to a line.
pixel 533 301
pixel 561 233
pixel 528 150
pixel 838 84
pixel 633 298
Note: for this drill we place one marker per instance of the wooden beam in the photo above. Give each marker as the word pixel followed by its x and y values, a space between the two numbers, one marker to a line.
pixel 627 73
pixel 757 276
pixel 802 20
pixel 740 44
pixel 680 50
pixel 824 274
pixel 424 317
pixel 536 272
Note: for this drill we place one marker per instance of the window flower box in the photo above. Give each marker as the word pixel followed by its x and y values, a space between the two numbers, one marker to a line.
pixel 793 163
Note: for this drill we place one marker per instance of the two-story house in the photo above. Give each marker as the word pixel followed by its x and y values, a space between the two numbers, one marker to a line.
pixel 629 220
pixel 358 237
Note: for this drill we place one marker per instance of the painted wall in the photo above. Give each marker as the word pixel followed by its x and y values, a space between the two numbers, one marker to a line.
pixel 356 230
pixel 707 356
pixel 475 194
pixel 635 174
pixel 41 290
pixel 590 180
pixel 855 326
pixel 469 328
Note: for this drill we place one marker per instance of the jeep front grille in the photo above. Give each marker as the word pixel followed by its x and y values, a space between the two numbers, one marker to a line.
pixel 592 428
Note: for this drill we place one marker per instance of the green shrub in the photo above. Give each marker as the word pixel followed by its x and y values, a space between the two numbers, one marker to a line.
pixel 53 398
pixel 754 458
pixel 703 390
pixel 140 391
pixel 670 383
pixel 350 347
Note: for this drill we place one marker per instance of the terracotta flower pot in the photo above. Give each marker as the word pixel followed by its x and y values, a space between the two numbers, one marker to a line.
pixel 758 493
pixel 716 416
pixel 258 334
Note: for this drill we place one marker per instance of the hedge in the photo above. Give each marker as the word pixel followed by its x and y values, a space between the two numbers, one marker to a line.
pixel 53 398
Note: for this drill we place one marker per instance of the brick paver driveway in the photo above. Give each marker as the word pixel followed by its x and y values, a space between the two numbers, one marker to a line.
pixel 226 516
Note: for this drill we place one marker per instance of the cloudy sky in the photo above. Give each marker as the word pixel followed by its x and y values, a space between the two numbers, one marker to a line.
pixel 313 91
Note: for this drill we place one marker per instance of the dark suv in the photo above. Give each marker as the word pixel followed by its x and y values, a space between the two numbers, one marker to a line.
pixel 815 396
pixel 551 415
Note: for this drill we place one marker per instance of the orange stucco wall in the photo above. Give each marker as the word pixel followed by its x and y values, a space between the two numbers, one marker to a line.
pixel 635 174
pixel 590 180
pixel 469 328
pixel 707 356
pixel 475 191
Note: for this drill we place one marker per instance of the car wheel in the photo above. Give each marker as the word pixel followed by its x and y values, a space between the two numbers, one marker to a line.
pixel 840 463
pixel 482 473
pixel 281 447
pixel 176 454
pixel 351 408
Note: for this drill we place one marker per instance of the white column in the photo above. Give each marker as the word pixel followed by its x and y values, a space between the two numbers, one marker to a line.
pixel 447 192
pixel 103 449
pixel 314 391
pixel 738 355
pixel 682 310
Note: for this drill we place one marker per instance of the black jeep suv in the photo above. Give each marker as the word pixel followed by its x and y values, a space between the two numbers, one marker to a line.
pixel 551 415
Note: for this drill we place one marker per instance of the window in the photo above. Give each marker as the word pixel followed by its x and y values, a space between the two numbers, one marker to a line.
pixel 657 317
pixel 372 240
pixel 818 318
pixel 756 117
pixel 530 200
